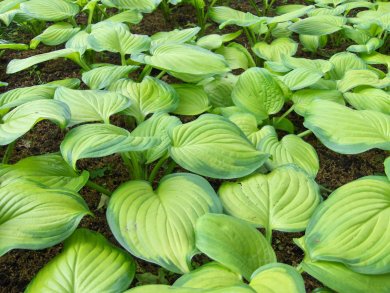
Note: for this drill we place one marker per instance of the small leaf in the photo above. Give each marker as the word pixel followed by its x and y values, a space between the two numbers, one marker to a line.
pixel 145 6
pixel 193 99
pixel 227 16
pixel 88 263
pixel 158 226
pixel 296 13
pixel 319 25
pixel 56 34
pixel 53 10
pixel 220 90
pixel 276 50
pixel 4 45
pixel 174 37
pixel 237 56
pixel 233 243
pixel 300 78
pixel 128 16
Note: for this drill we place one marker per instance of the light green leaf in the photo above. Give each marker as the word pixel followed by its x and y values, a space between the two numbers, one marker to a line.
pixel 158 225
pixel 376 58
pixel 303 98
pixel 369 99
pixel 227 16
pixel 103 76
pixel 100 140
pixel 319 65
pixel 3 83
pixel 79 42
pixel 301 78
pixel 116 37
pixel 220 90
pixel 313 43
pixel 282 200
pixel 233 243
pixel 17 65
pixel 213 146
pixel 193 99
pixel 258 92
pixel 145 6
pixel 12 46
pixel 157 126
pixel 32 217
pixel 345 130
pixel 209 276
pixel 369 47
pixel 276 50
pixel 355 78
pixel 387 167
pixel 349 227
pixel 277 277
pixel 49 170
pixel 183 58
pixel 344 62
pixel 151 95
pixel 237 56
pixel 296 13
pixel 21 119
pixel 319 25
pixel 7 5
pixel 245 121
pixel 169 289
pixel 53 10
pixel 128 16
pixel 210 42
pixel 55 34
pixel 174 37
pixel 91 105
pixel 88 263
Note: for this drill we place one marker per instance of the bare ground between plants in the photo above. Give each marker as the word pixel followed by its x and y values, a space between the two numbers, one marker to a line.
pixel 18 267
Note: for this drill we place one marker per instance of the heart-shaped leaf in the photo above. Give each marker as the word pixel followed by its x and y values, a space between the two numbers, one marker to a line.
pixel 53 10
pixel 282 200
pixel 158 225
pixel 228 16
pixel 88 263
pixel 193 99
pixel 343 62
pixel 276 50
pixel 32 217
pixel 349 227
pixel 213 146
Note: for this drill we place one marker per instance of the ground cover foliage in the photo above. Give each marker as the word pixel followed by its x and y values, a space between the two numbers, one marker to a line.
pixel 202 123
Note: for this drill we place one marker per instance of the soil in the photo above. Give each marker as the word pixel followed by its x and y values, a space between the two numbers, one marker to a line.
pixel 18 267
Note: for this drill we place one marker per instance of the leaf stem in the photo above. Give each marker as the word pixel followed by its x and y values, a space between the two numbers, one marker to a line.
pixel 123 59
pixel 146 71
pixel 254 5
pixel 98 188
pixel 8 152
pixel 157 168
pixel 171 166
pixel 268 234
pixel 285 114
pixel 299 268
pixel 161 74
pixel 305 133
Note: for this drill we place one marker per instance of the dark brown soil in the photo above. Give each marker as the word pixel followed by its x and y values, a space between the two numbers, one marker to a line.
pixel 18 267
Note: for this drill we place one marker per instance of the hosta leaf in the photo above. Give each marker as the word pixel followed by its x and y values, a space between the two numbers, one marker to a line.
pixel 3 83
pixel 282 200
pixel 210 42
pixel 33 217
pixel 193 99
pixel 291 14
pixel 228 16
pixel 183 58
pixel 100 140
pixel 209 276
pixel 277 278
pixel 116 37
pixel 151 95
pixel 157 126
pixel 49 170
pixel 128 16
pixel 55 34
pixel 12 46
pixel 376 58
pixel 17 65
pixel 303 98
pixel 355 78
pixel 88 263
pixel 313 43
pixel 79 42
pixel 158 225
pixel 213 146
pixel 169 289
pixel 237 56
pixel 258 92
pixel 276 50
pixel 350 227
pixel 343 62
pixel 369 99
pixel 140 5
pixel 21 119
pixel 220 90
pixel 387 167
pixel 369 47
pixel 233 243
pixel 300 78
pixel 53 10
pixel 319 65
pixel 319 25
pixel 91 105
pixel 7 5
pixel 174 37
pixel 348 131
pixel 103 76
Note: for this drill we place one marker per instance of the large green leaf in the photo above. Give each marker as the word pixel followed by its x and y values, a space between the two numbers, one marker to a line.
pixel 140 5
pixel 49 170
pixel 100 140
pixel 193 99
pixel 184 58
pixel 88 263
pixel 33 217
pixel 209 276
pixel 158 225
pixel 290 149
pixel 282 200
pixel 351 227
pixel 276 50
pixel 341 279
pixel 55 34
pixel 369 99
pixel 53 10
pixel 21 119
pixel 277 277
pixel 348 131
pixel 103 76
pixel 355 78
pixel 319 25
pixel 343 62
pixel 116 37
pixel 228 16
pixel 233 243
pixel 157 126
pixel 151 95
pixel 258 92
pixel 91 105
pixel 213 146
